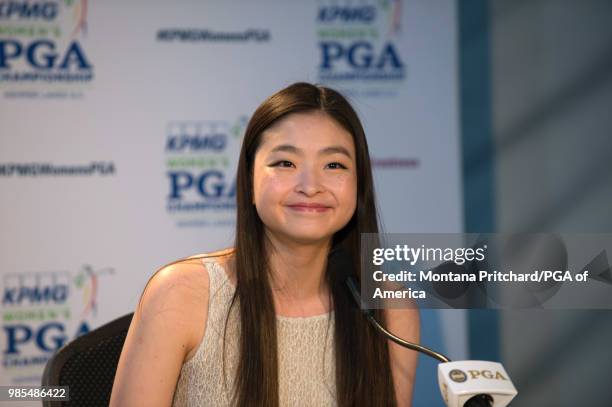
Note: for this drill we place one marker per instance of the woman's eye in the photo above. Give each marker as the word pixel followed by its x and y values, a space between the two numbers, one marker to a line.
pixel 335 166
pixel 283 163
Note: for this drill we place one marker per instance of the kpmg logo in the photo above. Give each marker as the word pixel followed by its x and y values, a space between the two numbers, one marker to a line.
pixel 201 159
pixel 33 289
pixel 42 311
pixel 28 10
pixel 347 13
pixel 199 141
pixel 42 41
pixel 356 41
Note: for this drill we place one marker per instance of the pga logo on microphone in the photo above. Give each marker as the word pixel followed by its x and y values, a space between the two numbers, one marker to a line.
pixel 460 376
pixel 468 383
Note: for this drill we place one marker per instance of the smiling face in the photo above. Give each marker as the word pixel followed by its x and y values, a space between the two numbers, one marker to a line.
pixel 304 178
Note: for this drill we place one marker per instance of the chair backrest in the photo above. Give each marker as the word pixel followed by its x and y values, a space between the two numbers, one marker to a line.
pixel 88 365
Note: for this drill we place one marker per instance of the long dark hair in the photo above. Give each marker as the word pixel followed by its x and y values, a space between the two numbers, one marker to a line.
pixel 363 374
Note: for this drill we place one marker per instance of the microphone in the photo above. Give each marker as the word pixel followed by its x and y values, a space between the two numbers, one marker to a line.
pixel 475 383
pixel 486 384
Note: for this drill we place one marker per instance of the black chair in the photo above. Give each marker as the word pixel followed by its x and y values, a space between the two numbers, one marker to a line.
pixel 88 365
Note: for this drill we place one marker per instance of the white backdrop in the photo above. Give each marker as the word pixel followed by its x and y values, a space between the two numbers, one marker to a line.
pixel 113 114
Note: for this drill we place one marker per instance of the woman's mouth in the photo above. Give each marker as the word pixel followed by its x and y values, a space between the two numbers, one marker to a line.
pixel 308 207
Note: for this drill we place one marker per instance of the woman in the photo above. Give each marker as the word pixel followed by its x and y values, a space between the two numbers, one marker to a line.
pixel 267 323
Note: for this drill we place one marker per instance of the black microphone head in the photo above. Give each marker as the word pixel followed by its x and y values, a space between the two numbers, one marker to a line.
pixel 480 400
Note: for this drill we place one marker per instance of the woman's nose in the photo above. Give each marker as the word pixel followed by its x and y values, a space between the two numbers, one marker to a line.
pixel 309 182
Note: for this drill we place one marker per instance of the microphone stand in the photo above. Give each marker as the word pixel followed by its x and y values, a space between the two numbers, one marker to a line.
pixel 480 400
pixel 368 313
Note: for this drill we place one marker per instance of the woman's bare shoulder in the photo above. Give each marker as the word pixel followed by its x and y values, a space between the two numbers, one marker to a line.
pixel 180 291
pixel 165 332
pixel 176 294
pixel 224 257
pixel 186 279
pixel 216 255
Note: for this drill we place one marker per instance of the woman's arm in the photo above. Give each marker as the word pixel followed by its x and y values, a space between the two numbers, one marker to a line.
pixel 405 324
pixel 166 327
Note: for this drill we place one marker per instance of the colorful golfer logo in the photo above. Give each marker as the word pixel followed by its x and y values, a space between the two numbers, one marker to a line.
pixel 393 8
pixel 79 15
pixel 87 280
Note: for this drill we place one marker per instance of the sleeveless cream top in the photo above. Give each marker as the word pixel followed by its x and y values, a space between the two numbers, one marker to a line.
pixel 306 355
